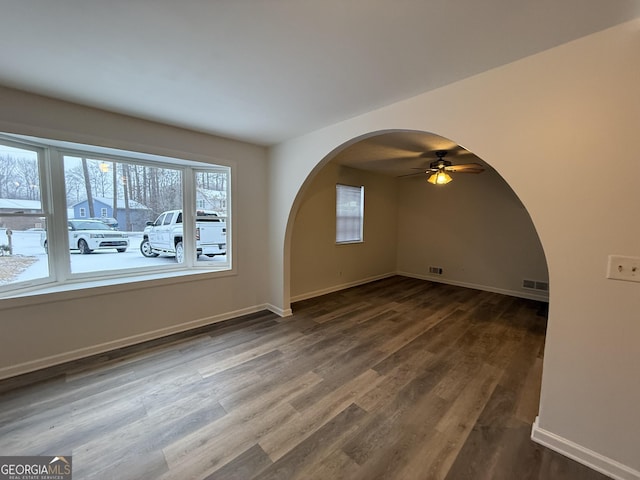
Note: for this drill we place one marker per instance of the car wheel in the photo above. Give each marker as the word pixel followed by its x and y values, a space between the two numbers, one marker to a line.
pixel 145 249
pixel 83 246
pixel 122 250
pixel 179 252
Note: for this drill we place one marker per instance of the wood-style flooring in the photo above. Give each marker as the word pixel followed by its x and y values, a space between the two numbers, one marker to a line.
pixel 396 379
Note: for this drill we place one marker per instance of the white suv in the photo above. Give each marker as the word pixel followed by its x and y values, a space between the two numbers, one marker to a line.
pixel 90 235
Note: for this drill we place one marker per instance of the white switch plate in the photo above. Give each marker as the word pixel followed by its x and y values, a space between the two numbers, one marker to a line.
pixel 623 268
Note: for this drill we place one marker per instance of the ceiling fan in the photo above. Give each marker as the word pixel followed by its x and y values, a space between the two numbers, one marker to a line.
pixel 439 169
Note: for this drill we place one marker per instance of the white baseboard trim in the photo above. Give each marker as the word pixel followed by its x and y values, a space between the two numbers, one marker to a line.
pixel 279 311
pixel 342 286
pixel 475 286
pixel 582 455
pixel 53 360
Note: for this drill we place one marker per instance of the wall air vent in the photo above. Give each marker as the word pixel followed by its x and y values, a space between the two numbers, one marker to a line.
pixel 535 285
pixel 435 270
pixel 542 286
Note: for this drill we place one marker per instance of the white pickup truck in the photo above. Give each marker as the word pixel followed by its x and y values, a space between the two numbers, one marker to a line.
pixel 165 235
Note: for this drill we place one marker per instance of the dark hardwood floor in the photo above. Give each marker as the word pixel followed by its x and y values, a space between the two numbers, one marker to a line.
pixel 397 379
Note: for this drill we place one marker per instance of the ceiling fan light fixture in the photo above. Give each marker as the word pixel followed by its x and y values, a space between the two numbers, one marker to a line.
pixel 440 178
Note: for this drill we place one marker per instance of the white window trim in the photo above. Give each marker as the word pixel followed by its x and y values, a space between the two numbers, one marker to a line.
pixel 52 179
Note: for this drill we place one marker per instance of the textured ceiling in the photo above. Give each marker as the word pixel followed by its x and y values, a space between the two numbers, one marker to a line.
pixel 267 70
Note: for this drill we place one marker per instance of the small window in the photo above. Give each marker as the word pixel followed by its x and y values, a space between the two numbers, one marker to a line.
pixel 24 258
pixel 103 212
pixel 83 213
pixel 349 213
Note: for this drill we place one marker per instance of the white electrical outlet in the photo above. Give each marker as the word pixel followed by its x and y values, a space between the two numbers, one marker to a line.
pixel 623 268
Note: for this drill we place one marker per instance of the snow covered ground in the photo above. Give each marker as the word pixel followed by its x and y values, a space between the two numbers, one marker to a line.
pixel 27 243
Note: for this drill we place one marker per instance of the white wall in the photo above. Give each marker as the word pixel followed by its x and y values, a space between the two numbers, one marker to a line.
pixel 318 265
pixel 49 329
pixel 561 128
pixel 475 229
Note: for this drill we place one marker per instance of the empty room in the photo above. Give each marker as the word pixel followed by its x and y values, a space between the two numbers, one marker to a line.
pixel 409 249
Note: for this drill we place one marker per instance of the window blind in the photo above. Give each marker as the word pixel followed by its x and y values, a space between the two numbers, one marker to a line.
pixel 349 213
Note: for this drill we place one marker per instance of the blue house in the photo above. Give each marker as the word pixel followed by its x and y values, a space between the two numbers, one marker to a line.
pixel 103 208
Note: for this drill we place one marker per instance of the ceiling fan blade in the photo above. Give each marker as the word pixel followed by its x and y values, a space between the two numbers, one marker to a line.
pixel 411 174
pixel 465 168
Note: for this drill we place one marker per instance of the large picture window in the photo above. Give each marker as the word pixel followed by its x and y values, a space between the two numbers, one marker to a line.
pixel 349 213
pixel 74 213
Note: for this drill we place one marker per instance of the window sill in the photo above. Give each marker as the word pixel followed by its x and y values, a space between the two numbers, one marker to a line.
pixel 90 288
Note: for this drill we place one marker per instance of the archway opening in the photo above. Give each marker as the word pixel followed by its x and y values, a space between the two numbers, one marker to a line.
pixel 473 232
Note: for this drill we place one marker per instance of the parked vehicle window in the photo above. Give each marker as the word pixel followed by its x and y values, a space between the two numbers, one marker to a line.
pixel 111 197
pixel 168 218
pixel 159 220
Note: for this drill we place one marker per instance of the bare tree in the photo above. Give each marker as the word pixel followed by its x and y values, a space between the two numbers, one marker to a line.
pixel 25 178
pixel 125 182
pixel 139 187
pixel 114 181
pixel 87 182
pixel 74 181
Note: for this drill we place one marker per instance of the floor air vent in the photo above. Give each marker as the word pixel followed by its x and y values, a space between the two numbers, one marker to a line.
pixel 435 270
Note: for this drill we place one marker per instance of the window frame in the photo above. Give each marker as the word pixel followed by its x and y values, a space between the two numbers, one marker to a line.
pixel 51 155
pixel 360 217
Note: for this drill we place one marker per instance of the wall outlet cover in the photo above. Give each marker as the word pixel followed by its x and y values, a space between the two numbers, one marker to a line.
pixel 621 267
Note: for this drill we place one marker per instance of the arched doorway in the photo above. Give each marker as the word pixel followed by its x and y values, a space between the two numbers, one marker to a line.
pixel 473 232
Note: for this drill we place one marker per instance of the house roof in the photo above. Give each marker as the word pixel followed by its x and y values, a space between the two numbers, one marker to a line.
pixel 18 204
pixel 264 72
pixel 109 202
